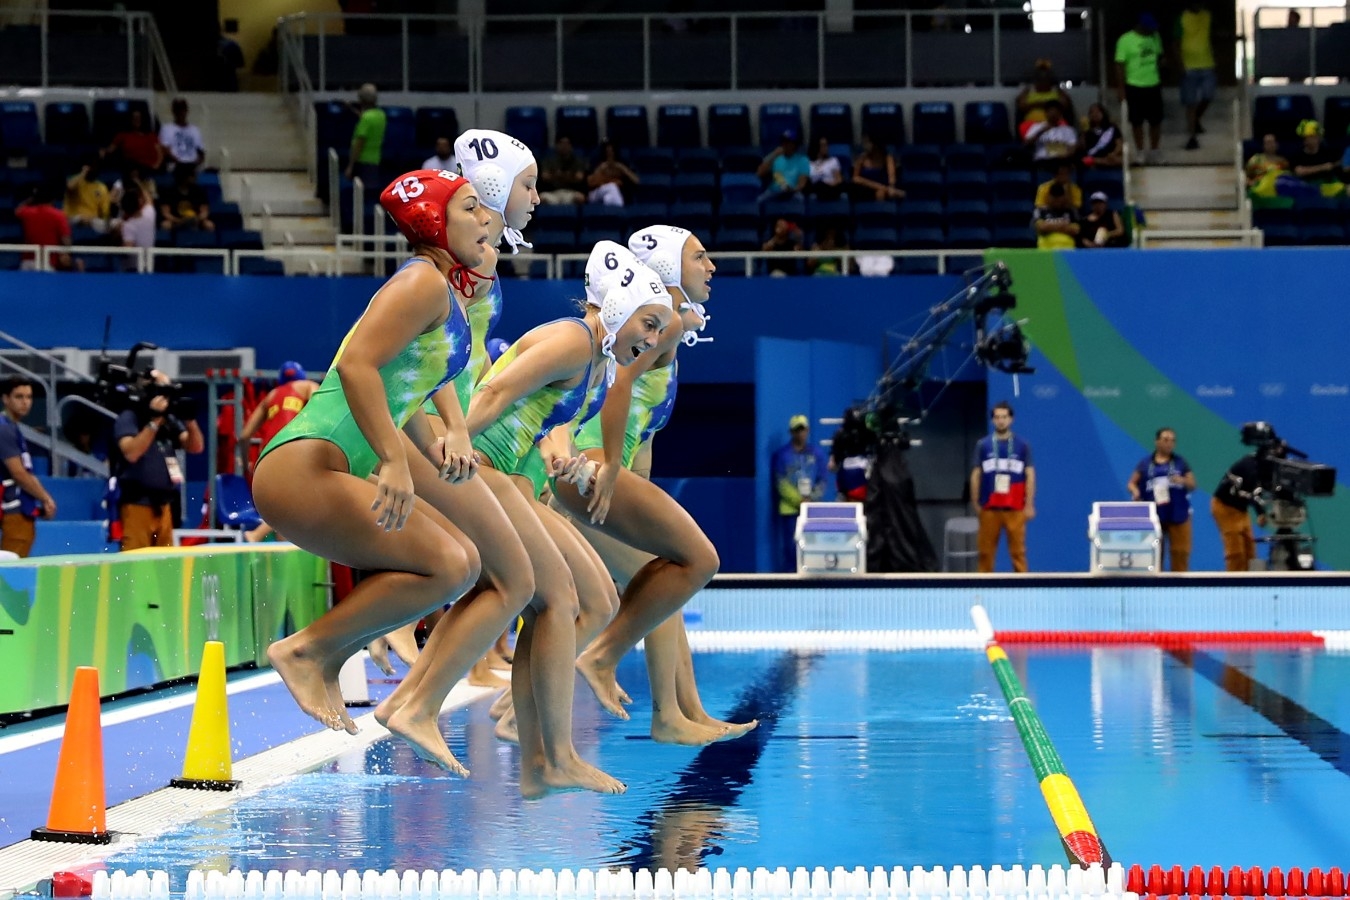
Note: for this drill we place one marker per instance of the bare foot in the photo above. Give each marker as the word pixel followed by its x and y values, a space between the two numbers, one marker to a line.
pixel 379 655
pixel 500 705
pixel 506 727
pixel 403 641
pixel 481 675
pixel 684 732
pixel 606 688
pixel 303 677
pixel 734 729
pixel 384 712
pixel 338 704
pixel 623 695
pixel 425 738
pixel 574 775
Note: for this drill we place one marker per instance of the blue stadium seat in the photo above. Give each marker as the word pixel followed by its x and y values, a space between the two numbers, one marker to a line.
pixel 114 115
pixel 698 159
pixel 637 216
pixel 234 503
pixel 1014 184
pixel 695 187
pixel 1336 118
pixel 1324 235
pixel 843 153
pixel 876 238
pixel 589 237
pixel 1317 210
pixel 920 158
pixel 196 240
pixel 56 163
pixel 696 217
pixel 627 126
pixel 832 121
pixel 436 122
pixel 777 119
pixel 741 159
pixel 1279 114
pixel 922 185
pixel 791 208
pixel 987 123
pixel 529 125
pixel 884 123
pixel 84 236
pixel 67 124
pixel 1015 236
pixel 921 214
pixel 12 232
pixel 965 158
pixel 10 261
pixel 554 240
pixel 652 161
pixel 555 216
pixel 729 125
pixel 971 185
pixel 652 189
pixel 599 217
pixel 876 214
pixel 241 239
pixel 740 187
pixel 400 135
pixel 1011 214
pixel 828 213
pixel 580 124
pixel 968 214
pixel 1109 181
pixel 257 265
pixel 973 237
pixel 677 126
pixel 935 123
pixel 226 216
pixel 736 239
pixel 1278 226
pixel 736 216
pixel 19 131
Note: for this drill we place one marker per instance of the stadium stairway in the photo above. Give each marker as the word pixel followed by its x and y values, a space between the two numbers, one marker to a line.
pixel 266 166
pixel 1189 190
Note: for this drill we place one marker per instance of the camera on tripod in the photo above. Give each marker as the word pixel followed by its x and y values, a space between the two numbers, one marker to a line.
pixel 124 386
pixel 1286 483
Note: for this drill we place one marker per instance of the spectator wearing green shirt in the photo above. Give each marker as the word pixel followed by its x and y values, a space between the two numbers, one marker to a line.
pixel 367 139
pixel 1138 54
pixel 1198 81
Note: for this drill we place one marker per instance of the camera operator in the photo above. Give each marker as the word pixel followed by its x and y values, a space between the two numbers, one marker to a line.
pixel 149 477
pixel 1231 504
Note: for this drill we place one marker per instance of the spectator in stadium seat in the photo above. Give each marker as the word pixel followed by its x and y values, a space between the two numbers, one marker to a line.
pixel 1043 88
pixel 1102 226
pixel 1264 168
pixel 1100 140
pixel 46 226
pixel 1196 53
pixel 786 237
pixel 1053 138
pixel 1056 223
pixel 444 157
pixel 1139 79
pixel 1063 176
pixel 875 174
pixel 22 496
pixel 88 200
pixel 786 167
pixel 1314 162
pixel 368 139
pixel 184 207
pixel 827 177
pixel 136 146
pixel 610 178
pixel 136 226
pixel 562 175
pixel 828 239
pixel 182 141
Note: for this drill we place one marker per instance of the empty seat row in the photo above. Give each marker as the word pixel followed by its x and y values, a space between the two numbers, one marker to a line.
pixel 1310 220
pixel 65 123
pixel 1279 114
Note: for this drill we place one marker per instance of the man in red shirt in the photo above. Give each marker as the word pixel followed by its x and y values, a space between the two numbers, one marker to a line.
pixel 46 226
pixel 136 146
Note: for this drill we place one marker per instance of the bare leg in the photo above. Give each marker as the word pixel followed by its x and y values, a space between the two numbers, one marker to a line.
pixel 403 642
pixel 302 488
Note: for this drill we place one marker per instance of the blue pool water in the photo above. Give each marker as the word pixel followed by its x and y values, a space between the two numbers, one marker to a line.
pixel 1213 757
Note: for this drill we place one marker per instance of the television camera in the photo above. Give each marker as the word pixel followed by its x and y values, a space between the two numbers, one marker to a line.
pixel 125 386
pixel 1283 486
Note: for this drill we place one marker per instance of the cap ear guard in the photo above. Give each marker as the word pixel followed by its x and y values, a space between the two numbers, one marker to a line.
pixel 637 287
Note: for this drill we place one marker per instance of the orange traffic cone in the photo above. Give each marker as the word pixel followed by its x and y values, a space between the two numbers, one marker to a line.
pixel 78 812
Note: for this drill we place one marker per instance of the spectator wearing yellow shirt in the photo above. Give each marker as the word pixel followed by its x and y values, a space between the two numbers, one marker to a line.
pixel 1138 53
pixel 1064 177
pixel 88 201
pixel 1198 82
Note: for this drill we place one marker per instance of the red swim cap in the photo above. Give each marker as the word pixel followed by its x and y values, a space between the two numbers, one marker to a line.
pixel 416 202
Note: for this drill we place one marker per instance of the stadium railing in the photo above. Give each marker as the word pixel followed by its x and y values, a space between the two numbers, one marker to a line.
pixel 42 47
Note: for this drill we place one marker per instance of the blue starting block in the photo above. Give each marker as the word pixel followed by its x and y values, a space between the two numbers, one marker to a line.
pixel 1125 538
pixel 831 539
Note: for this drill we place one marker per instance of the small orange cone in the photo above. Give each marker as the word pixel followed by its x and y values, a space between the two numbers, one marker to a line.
pixel 78 812
pixel 206 766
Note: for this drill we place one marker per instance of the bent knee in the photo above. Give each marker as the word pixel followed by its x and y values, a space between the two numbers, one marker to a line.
pixel 561 596
pixel 516 589
pixel 456 568
pixel 704 563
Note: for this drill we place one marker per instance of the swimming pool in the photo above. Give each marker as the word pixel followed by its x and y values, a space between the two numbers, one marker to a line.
pixel 1209 755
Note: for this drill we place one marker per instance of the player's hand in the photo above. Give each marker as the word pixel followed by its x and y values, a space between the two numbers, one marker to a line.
pixel 458 462
pixel 394 496
pixel 606 476
pixel 568 468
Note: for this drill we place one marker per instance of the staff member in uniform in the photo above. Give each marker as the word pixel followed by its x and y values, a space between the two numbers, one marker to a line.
pixel 22 496
pixel 1003 490
pixel 150 475
pixel 1167 480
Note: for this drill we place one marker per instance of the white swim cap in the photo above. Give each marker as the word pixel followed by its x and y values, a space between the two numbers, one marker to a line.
pixel 662 248
pixel 492 160
pixel 619 292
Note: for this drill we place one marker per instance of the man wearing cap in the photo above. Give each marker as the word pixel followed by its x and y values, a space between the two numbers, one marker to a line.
pixel 787 167
pixel 799 472
pixel 1139 79
pixel 1314 161
pixel 278 407
pixel 1102 226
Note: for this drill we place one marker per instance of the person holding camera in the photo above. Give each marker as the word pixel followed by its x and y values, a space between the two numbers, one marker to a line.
pixel 149 476
pixel 1167 480
pixel 1231 506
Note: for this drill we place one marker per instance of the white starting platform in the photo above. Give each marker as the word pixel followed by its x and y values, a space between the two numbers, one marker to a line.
pixel 831 539
pixel 1125 538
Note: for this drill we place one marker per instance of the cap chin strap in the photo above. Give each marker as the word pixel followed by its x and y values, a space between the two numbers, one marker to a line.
pixel 515 240
pixel 465 280
pixel 691 337
pixel 611 361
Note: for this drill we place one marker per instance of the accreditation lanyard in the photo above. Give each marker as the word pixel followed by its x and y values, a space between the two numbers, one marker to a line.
pixel 1002 477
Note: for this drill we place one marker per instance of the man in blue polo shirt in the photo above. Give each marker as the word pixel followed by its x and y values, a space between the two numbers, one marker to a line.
pixel 1166 479
pixel 24 497
pixel 787 168
pixel 1003 490
pixel 149 476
